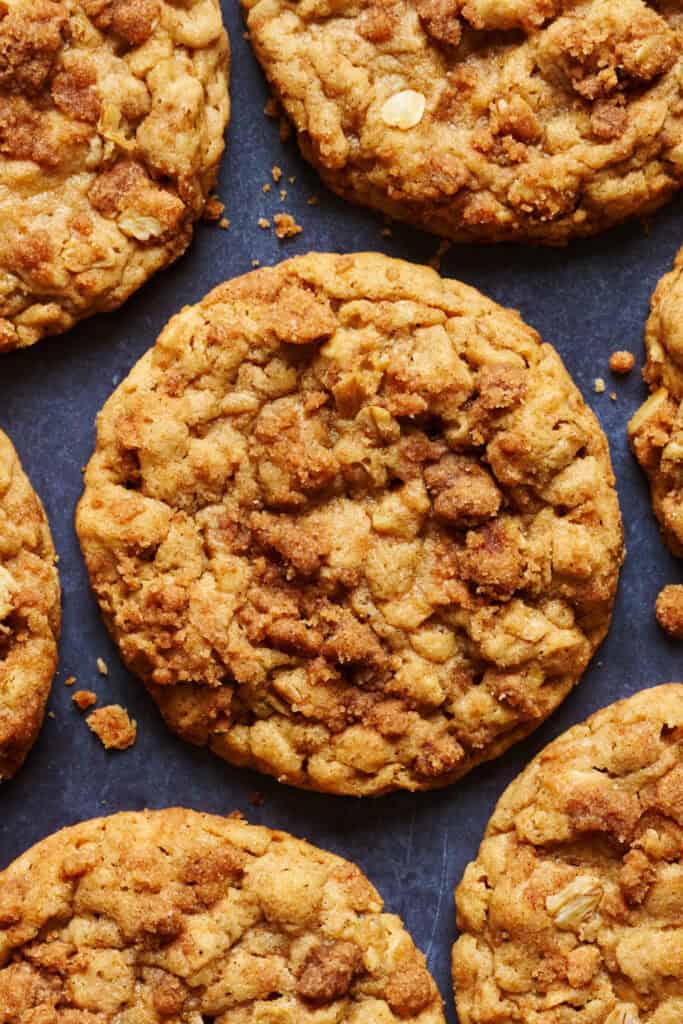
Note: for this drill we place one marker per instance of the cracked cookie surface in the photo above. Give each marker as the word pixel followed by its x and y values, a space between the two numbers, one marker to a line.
pixel 571 913
pixel 352 524
pixel 656 429
pixel 177 916
pixel 29 612
pixel 112 115
pixel 480 120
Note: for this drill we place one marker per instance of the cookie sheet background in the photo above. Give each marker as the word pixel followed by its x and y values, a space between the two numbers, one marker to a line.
pixel 587 300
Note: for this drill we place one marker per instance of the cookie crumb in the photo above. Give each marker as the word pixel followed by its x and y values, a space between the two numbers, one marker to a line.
pixel 622 361
pixel 256 263
pixel 387 233
pixel 283 194
pixel 224 223
pixel 669 610
pixel 313 200
pixel 263 223
pixel 113 727
pixel 102 667
pixel 267 187
pixel 213 209
pixel 257 799
pixel 286 226
pixel 276 172
pixel 599 386
pixel 84 699
pixel 70 680
pixel 613 396
pixel 51 714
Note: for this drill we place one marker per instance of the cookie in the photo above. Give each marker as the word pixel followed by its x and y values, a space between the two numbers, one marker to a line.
pixel 656 430
pixel 571 913
pixel 177 916
pixel 112 115
pixel 481 121
pixel 352 524
pixel 29 612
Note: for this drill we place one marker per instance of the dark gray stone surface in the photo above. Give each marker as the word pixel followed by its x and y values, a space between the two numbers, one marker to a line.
pixel 588 300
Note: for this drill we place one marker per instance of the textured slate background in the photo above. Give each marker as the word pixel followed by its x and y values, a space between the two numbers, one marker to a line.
pixel 587 300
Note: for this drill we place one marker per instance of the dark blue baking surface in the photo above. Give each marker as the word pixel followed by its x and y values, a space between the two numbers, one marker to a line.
pixel 588 300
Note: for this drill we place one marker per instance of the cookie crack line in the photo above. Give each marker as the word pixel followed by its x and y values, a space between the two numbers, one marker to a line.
pixel 342 533
pixel 542 122
pixel 112 117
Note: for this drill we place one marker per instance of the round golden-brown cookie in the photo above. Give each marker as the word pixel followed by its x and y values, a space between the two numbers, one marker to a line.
pixel 481 120
pixel 112 115
pixel 571 913
pixel 29 612
pixel 176 916
pixel 352 524
pixel 656 429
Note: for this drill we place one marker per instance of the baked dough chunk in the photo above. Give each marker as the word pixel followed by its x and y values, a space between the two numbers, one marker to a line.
pixel 483 119
pixel 571 913
pixel 352 524
pixel 656 430
pixel 174 917
pixel 29 612
pixel 112 115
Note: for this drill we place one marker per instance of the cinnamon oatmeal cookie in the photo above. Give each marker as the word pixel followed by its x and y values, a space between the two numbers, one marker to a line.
pixel 352 524
pixel 656 430
pixel 176 916
pixel 29 612
pixel 571 913
pixel 112 115
pixel 480 120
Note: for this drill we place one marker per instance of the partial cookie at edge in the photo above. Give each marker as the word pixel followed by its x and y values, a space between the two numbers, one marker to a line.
pixel 29 612
pixel 112 114
pixel 528 120
pixel 656 429
pixel 571 911
pixel 186 916
pixel 352 524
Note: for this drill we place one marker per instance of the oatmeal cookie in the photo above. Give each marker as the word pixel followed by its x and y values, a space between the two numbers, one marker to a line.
pixel 176 916
pixel 29 612
pixel 112 115
pixel 352 524
pixel 656 430
pixel 525 119
pixel 571 913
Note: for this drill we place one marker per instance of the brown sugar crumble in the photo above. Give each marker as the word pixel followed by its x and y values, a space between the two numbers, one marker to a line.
pixel 113 727
pixel 622 362
pixel 84 699
pixel 286 226
pixel 669 610
pixel 213 209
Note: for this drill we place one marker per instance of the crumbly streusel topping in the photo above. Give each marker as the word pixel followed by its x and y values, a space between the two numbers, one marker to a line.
pixel 112 115
pixel 174 916
pixel 571 913
pixel 477 119
pixel 352 524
